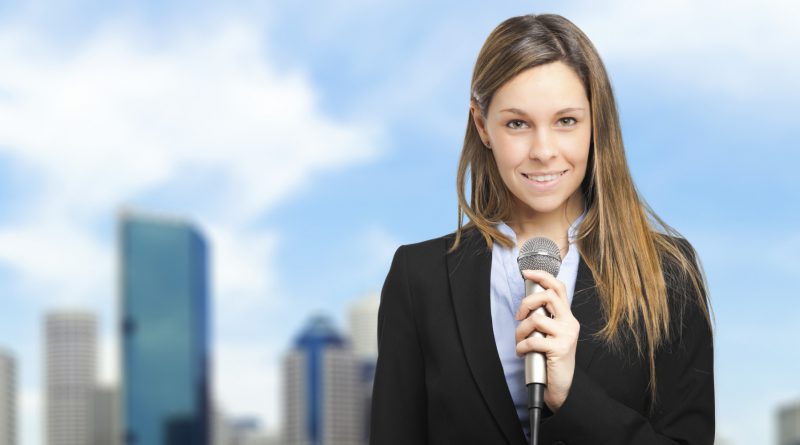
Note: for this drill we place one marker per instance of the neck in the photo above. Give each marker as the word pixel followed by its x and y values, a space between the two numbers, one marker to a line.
pixel 553 225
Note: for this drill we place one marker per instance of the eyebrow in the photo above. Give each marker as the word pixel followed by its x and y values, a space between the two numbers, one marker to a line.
pixel 561 111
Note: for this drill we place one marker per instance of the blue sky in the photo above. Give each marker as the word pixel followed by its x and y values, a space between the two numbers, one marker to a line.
pixel 309 142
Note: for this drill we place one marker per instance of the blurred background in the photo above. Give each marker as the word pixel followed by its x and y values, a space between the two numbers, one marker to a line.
pixel 199 201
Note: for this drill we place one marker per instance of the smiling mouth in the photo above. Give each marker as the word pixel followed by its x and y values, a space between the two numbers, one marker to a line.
pixel 544 178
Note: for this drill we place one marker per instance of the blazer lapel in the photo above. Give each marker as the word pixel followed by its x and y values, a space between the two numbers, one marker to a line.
pixel 469 269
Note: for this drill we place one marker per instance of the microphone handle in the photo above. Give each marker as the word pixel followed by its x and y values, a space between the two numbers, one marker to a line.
pixel 535 373
pixel 535 363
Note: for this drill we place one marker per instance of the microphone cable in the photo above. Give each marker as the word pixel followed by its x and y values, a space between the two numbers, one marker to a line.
pixel 535 406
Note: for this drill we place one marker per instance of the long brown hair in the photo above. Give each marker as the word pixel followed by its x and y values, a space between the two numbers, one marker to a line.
pixel 629 249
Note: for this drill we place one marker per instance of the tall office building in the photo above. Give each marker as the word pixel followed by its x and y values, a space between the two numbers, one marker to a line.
pixel 8 399
pixel 322 402
pixel 70 367
pixel 363 321
pixel 789 424
pixel 165 332
pixel 363 326
pixel 219 426
pixel 106 416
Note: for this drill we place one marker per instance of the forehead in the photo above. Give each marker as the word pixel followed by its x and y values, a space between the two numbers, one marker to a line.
pixel 542 89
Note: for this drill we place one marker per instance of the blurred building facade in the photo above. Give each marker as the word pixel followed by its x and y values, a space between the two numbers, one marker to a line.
pixel 363 329
pixel 70 376
pixel 165 332
pixel 789 424
pixel 8 399
pixel 322 402
pixel 242 431
pixel 106 416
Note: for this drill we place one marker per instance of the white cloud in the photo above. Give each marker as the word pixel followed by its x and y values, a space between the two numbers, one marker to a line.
pixel 30 409
pixel 118 117
pixel 108 360
pixel 244 284
pixel 248 376
pixel 60 262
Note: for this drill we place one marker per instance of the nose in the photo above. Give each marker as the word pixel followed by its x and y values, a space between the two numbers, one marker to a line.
pixel 542 146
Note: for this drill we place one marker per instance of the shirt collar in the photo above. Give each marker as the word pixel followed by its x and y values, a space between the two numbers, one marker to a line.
pixel 573 228
pixel 571 232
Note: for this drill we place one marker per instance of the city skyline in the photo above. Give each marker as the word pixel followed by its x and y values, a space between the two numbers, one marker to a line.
pixel 311 142
pixel 151 244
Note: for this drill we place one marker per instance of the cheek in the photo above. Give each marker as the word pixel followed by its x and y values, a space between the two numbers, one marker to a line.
pixel 509 152
pixel 502 159
pixel 577 150
pixel 506 164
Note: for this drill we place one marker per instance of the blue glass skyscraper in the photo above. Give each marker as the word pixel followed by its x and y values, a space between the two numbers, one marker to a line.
pixel 165 332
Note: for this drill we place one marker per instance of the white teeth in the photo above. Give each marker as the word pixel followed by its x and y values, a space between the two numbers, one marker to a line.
pixel 543 178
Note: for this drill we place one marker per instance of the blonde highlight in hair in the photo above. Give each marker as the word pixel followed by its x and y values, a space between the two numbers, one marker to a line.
pixel 628 248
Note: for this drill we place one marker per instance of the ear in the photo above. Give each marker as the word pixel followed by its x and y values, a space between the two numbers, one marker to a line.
pixel 480 123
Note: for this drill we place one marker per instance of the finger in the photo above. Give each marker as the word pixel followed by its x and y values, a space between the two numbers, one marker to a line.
pixel 535 344
pixel 536 323
pixel 532 302
pixel 557 305
pixel 547 281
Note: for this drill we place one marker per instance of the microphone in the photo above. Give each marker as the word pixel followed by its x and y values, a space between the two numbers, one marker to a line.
pixel 537 253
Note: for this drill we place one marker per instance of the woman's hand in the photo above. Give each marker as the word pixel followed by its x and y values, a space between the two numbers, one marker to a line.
pixel 561 332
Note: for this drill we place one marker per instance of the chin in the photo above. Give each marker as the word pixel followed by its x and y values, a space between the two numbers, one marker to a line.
pixel 543 206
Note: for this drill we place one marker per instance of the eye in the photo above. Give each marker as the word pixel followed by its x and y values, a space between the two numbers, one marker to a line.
pixel 515 124
pixel 567 121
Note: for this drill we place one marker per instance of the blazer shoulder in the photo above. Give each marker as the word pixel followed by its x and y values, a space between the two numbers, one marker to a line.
pixel 433 245
pixel 677 267
pixel 682 244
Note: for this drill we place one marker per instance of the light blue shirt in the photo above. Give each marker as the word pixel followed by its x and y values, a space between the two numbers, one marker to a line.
pixel 507 291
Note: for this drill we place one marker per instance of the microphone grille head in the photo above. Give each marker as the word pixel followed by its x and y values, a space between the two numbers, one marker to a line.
pixel 540 253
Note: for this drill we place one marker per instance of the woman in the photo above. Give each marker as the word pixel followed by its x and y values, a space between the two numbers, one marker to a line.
pixel 629 348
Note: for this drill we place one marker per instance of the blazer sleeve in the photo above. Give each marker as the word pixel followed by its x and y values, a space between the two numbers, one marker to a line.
pixel 684 409
pixel 399 412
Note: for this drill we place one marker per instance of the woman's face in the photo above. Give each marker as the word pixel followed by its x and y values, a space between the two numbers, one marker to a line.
pixel 539 128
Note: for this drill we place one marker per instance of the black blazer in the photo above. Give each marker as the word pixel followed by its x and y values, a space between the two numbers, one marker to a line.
pixel 439 379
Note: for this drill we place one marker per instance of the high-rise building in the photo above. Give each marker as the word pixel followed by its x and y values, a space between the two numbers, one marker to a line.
pixel 789 424
pixel 219 426
pixel 106 416
pixel 363 321
pixel 165 332
pixel 363 327
pixel 8 399
pixel 322 402
pixel 262 438
pixel 71 371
